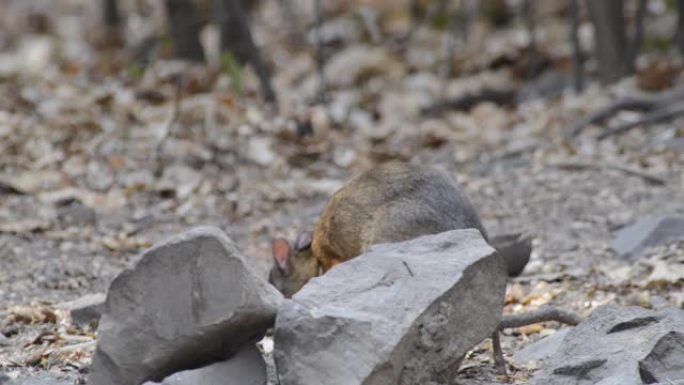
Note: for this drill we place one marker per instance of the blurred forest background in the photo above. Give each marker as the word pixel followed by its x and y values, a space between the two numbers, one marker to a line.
pixel 124 122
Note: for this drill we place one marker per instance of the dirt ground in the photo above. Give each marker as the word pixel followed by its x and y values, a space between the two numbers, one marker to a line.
pixel 97 164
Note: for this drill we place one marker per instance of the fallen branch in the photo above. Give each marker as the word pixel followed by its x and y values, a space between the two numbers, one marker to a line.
pixel 646 104
pixel 545 314
pixel 576 165
pixel 657 116
pixel 598 116
pixel 466 102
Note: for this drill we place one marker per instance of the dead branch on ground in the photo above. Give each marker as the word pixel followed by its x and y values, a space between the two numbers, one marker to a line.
pixel 545 314
pixel 577 165
pixel 659 107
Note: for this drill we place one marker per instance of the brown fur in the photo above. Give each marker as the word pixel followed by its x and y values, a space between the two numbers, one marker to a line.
pixel 391 203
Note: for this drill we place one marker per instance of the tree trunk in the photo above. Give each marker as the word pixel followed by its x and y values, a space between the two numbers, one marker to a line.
pixel 638 34
pixel 611 41
pixel 236 38
pixel 184 29
pixel 528 19
pixel 110 13
pixel 679 39
pixel 577 60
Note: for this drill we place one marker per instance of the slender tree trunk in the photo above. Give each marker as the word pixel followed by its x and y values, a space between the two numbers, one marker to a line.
pixel 110 13
pixel 577 60
pixel 236 38
pixel 320 54
pixel 638 34
pixel 415 10
pixel 680 26
pixel 611 42
pixel 459 26
pixel 293 23
pixel 184 29
pixel 528 17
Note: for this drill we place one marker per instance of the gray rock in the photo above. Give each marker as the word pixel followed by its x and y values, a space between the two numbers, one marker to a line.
pixel 619 345
pixel 542 349
pixel 666 360
pixel 87 309
pixel 634 239
pixel 402 313
pixel 247 367
pixel 187 302
pixel 4 341
pixel 3 377
pixel 670 382
pixel 72 212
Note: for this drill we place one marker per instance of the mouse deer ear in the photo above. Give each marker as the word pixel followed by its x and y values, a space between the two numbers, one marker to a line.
pixel 281 254
pixel 303 241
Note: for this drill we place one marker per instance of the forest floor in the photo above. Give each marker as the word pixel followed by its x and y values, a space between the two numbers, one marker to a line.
pixel 98 161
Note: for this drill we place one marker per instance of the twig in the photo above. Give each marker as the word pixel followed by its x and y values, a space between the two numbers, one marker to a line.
pixel 544 314
pixel 497 352
pixel 576 165
pixel 661 115
pixel 71 348
pixel 604 113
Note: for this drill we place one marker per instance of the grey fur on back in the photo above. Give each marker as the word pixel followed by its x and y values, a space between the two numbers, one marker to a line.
pixel 426 200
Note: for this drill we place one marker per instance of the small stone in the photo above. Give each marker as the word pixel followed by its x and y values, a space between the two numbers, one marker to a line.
pixel 394 315
pixel 633 240
pixel 187 302
pixel 259 151
pixel 75 213
pixel 247 367
pixel 87 309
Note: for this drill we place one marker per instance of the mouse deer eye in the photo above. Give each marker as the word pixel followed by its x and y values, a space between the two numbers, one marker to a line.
pixel 303 241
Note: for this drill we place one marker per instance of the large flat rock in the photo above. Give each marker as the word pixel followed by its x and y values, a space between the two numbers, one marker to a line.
pixel 542 349
pixel 187 302
pixel 619 345
pixel 403 313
